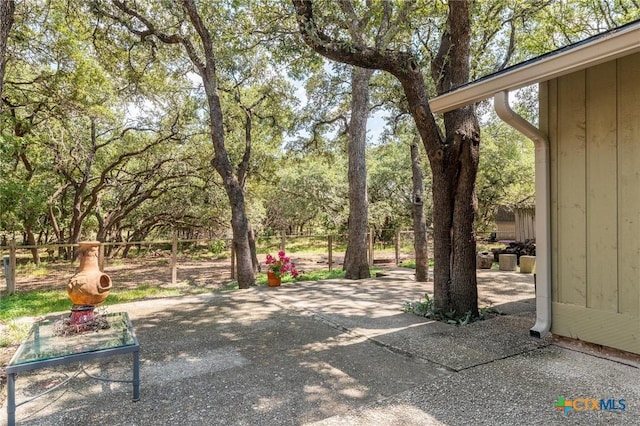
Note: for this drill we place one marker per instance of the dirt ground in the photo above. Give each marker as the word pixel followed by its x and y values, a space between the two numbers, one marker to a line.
pixel 155 270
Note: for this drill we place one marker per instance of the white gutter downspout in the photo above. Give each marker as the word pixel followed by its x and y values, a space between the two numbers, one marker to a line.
pixel 543 225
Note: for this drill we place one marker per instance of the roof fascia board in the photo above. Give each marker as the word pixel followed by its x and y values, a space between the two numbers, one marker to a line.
pixel 616 45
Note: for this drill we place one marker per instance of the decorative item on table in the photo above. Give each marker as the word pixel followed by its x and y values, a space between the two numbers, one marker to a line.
pixel 277 267
pixel 88 288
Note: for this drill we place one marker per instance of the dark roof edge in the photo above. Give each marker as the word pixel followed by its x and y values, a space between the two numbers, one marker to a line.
pixel 590 51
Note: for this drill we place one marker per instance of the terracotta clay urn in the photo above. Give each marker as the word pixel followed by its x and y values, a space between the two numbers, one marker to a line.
pixel 89 286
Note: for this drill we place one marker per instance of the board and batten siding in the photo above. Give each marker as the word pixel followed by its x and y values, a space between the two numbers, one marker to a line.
pixel 592 118
pixel 525 223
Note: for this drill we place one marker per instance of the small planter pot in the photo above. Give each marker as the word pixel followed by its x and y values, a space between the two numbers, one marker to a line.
pixel 272 280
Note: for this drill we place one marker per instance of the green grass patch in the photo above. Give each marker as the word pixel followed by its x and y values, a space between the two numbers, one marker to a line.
pixel 202 257
pixel 33 304
pixel 412 264
pixel 323 275
pixel 408 264
pixel 261 279
pixel 428 309
pixel 297 245
pixel 143 291
pixel 233 285
pixel 33 270
pixel 14 334
pixel 39 303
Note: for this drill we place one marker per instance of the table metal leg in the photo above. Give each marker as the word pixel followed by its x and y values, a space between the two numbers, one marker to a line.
pixel 11 399
pixel 136 376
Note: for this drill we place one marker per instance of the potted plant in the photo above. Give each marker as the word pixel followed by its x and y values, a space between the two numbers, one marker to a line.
pixel 277 267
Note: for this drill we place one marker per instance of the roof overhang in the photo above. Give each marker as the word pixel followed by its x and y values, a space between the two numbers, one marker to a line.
pixel 605 47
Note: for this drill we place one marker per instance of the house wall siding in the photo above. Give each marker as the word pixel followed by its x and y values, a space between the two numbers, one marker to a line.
pixel 593 120
pixel 525 225
pixel 629 185
pixel 505 231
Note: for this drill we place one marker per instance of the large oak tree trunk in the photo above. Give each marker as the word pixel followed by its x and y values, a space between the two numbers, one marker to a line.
pixel 239 221
pixel 419 221
pixel 454 174
pixel 233 187
pixel 356 265
pixel 252 246
pixel 454 169
pixel 31 240
pixel 203 58
pixel 453 157
pixel 240 229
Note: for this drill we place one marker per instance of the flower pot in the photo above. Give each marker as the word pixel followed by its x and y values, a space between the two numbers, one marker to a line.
pixel 272 280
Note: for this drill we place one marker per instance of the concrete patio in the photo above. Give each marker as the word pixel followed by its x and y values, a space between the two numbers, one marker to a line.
pixel 337 352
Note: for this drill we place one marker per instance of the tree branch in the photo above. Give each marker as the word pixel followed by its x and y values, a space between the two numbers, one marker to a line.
pixel 400 64
pixel 394 62
pixel 152 30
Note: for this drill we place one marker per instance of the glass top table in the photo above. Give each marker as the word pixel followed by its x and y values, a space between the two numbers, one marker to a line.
pixel 43 348
pixel 42 344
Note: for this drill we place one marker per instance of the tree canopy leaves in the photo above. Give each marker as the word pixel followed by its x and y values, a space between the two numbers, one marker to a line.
pixel 104 132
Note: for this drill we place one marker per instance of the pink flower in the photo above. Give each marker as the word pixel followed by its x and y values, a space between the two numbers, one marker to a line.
pixel 282 265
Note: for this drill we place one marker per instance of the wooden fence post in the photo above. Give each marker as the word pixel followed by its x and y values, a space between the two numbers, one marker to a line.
pixel 174 258
pixel 101 257
pixel 283 240
pixel 397 247
pixel 11 278
pixel 233 261
pixel 370 237
pixel 330 245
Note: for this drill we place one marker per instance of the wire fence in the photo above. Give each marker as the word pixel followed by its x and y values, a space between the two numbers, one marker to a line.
pixel 176 259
